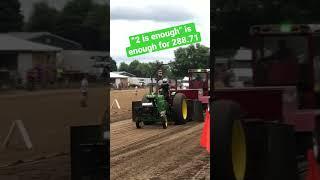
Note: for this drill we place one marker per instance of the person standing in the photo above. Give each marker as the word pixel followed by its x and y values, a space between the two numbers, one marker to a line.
pixel 84 91
pixel 31 80
pixel 59 76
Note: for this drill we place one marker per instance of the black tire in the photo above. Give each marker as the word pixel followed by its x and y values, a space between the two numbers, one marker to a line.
pixel 190 104
pixel 198 111
pixel 316 139
pixel 164 122
pixel 316 146
pixel 180 116
pixel 134 105
pixel 271 151
pixel 145 100
pixel 228 139
pixel 139 124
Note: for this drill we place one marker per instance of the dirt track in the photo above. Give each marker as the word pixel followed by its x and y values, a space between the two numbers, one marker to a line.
pixel 47 116
pixel 149 153
pixel 124 98
pixel 155 153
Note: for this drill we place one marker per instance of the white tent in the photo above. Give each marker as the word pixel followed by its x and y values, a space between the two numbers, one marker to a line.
pixel 118 78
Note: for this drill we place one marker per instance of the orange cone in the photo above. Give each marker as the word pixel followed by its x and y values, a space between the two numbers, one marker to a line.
pixel 205 137
pixel 208 131
pixel 313 171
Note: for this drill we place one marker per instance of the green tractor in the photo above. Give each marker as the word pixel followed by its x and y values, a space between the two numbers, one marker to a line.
pixel 156 108
pixel 160 106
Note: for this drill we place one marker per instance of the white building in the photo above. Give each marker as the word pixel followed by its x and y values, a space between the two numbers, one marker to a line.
pixel 135 81
pixel 119 80
pixel 18 56
pixel 138 81
pixel 82 61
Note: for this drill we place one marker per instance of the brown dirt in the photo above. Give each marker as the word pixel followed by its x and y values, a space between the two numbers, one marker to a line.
pixel 57 168
pixel 149 153
pixel 124 98
pixel 47 117
pixel 156 153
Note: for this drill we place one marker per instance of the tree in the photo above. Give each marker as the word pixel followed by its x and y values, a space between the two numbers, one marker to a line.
pixel 11 18
pixel 85 22
pixel 153 67
pixel 113 65
pixel 133 68
pixel 43 18
pixel 123 67
pixel 191 57
pixel 95 26
pixel 143 70
pixel 71 18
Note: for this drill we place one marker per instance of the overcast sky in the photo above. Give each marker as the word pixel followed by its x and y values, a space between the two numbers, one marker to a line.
pixel 130 17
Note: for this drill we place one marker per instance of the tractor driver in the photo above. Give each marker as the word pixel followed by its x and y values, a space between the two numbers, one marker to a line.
pixel 165 88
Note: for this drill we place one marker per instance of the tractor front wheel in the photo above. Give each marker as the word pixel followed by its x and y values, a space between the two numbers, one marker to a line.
pixel 139 124
pixel 180 108
pixel 164 122
pixel 146 100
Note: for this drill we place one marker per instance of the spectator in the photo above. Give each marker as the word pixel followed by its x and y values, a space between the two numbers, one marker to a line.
pixel 84 91
pixel 59 75
pixel 31 80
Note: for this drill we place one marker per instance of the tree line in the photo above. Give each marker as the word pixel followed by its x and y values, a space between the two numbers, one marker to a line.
pixel 82 21
pixel 191 57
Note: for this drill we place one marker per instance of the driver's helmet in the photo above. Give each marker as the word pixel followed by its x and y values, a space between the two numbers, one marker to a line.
pixel 165 81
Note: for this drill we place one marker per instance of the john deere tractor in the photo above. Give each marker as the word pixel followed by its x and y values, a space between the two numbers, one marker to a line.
pixel 160 106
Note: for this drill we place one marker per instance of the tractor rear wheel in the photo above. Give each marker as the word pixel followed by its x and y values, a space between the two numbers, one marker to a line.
pixel 229 143
pixel 180 108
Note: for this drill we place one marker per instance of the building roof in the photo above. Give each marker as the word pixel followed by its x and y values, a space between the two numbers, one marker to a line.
pixel 28 35
pixel 124 73
pixel 10 43
pixel 33 35
pixel 114 75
